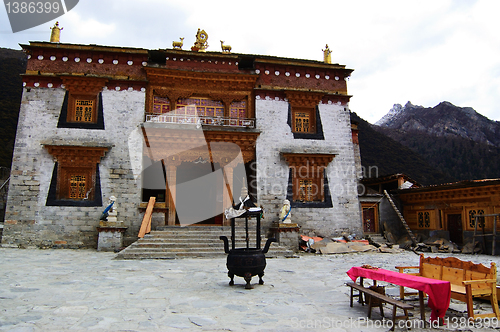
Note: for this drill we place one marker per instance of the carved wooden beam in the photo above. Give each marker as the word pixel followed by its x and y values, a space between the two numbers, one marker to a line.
pixel 83 84
pixel 77 155
pixel 308 159
pixel 303 98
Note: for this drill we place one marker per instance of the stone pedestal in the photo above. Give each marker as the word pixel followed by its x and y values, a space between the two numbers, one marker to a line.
pixel 287 235
pixel 110 236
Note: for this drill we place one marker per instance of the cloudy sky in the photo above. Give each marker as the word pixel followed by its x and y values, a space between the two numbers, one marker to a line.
pixel 424 51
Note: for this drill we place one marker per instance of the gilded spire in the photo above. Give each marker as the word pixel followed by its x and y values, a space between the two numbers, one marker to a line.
pixel 56 33
pixel 327 54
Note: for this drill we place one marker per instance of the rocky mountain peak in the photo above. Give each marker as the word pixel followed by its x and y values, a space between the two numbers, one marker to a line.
pixel 444 119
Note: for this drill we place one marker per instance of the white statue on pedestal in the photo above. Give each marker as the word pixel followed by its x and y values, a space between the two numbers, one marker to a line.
pixel 109 214
pixel 285 216
pixel 112 213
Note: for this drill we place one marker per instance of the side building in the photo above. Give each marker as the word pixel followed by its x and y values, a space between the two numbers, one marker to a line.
pixel 101 121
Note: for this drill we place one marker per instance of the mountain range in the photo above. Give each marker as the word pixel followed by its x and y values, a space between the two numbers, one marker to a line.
pixel 457 141
pixel 443 120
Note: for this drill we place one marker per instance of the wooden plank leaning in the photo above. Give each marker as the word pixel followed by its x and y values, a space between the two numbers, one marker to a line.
pixel 146 221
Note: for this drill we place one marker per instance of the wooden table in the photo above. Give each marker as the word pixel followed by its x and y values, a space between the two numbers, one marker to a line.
pixel 439 291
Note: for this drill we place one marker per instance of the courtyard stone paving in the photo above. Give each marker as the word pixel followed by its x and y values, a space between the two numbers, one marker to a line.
pixel 86 290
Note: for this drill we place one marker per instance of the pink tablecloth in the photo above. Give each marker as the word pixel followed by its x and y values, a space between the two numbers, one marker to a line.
pixel 439 291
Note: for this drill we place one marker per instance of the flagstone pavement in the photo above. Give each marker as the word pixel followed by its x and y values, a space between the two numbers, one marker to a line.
pixel 86 290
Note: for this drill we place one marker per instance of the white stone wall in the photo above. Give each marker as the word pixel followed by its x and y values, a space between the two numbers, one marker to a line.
pixel 272 170
pixel 28 221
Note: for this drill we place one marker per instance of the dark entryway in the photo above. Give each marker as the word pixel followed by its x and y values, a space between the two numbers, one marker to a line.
pixel 454 226
pixel 369 220
pixel 199 193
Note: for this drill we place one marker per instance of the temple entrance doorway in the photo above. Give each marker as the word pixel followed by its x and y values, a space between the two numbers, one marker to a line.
pixel 199 193
pixel 370 217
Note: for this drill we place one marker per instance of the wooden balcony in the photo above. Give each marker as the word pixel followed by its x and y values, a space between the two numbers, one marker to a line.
pixel 200 120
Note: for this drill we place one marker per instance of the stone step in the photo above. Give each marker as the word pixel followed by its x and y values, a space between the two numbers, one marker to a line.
pixel 151 254
pixel 191 245
pixel 197 234
pixel 177 242
pixel 191 249
pixel 238 227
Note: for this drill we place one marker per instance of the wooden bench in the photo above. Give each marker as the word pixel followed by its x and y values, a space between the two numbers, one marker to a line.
pixel 371 295
pixel 468 280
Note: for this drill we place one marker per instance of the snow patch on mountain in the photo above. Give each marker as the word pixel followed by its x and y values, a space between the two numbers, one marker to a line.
pixel 391 115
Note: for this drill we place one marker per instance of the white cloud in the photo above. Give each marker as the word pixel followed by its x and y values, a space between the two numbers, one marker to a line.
pixel 87 28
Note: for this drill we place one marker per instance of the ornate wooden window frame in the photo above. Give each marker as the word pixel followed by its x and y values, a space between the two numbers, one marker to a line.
pixel 305 102
pixel 75 160
pixel 303 114
pixel 426 219
pixel 471 213
pixel 82 88
pixel 309 167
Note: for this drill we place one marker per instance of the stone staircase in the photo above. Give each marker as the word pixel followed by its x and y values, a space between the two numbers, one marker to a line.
pixel 193 241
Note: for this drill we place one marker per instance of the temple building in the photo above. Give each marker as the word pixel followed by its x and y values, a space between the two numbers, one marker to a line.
pixel 191 128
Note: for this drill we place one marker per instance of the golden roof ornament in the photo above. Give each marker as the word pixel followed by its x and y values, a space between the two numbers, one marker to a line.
pixel 176 44
pixel 225 48
pixel 201 42
pixel 327 55
pixel 56 33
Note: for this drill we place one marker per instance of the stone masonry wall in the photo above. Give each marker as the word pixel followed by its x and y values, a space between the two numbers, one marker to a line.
pixel 273 171
pixel 28 222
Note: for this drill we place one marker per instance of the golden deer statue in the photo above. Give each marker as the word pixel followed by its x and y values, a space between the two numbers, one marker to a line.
pixel 176 44
pixel 225 48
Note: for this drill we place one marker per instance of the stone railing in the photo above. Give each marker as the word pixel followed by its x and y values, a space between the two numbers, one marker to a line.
pixel 200 120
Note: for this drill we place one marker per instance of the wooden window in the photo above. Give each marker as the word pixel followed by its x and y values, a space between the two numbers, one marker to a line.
pixel 82 109
pixel 75 179
pixel 308 189
pixel 303 120
pixel 237 112
pixel 76 183
pixel 82 106
pixel 160 105
pixel 200 107
pixel 426 219
pixel 472 219
pixel 187 109
pixel 77 186
pixel 307 181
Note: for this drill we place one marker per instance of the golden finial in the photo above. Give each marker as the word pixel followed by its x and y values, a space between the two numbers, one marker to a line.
pixel 327 54
pixel 56 33
pixel 201 42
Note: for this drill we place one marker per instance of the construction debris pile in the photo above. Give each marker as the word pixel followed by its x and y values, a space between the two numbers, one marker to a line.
pixel 435 245
pixel 345 244
pixel 378 243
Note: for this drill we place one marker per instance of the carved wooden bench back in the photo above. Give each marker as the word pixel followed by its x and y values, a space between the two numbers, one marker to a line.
pixel 455 270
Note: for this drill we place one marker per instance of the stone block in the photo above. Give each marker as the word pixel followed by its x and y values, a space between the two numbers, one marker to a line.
pixel 109 241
